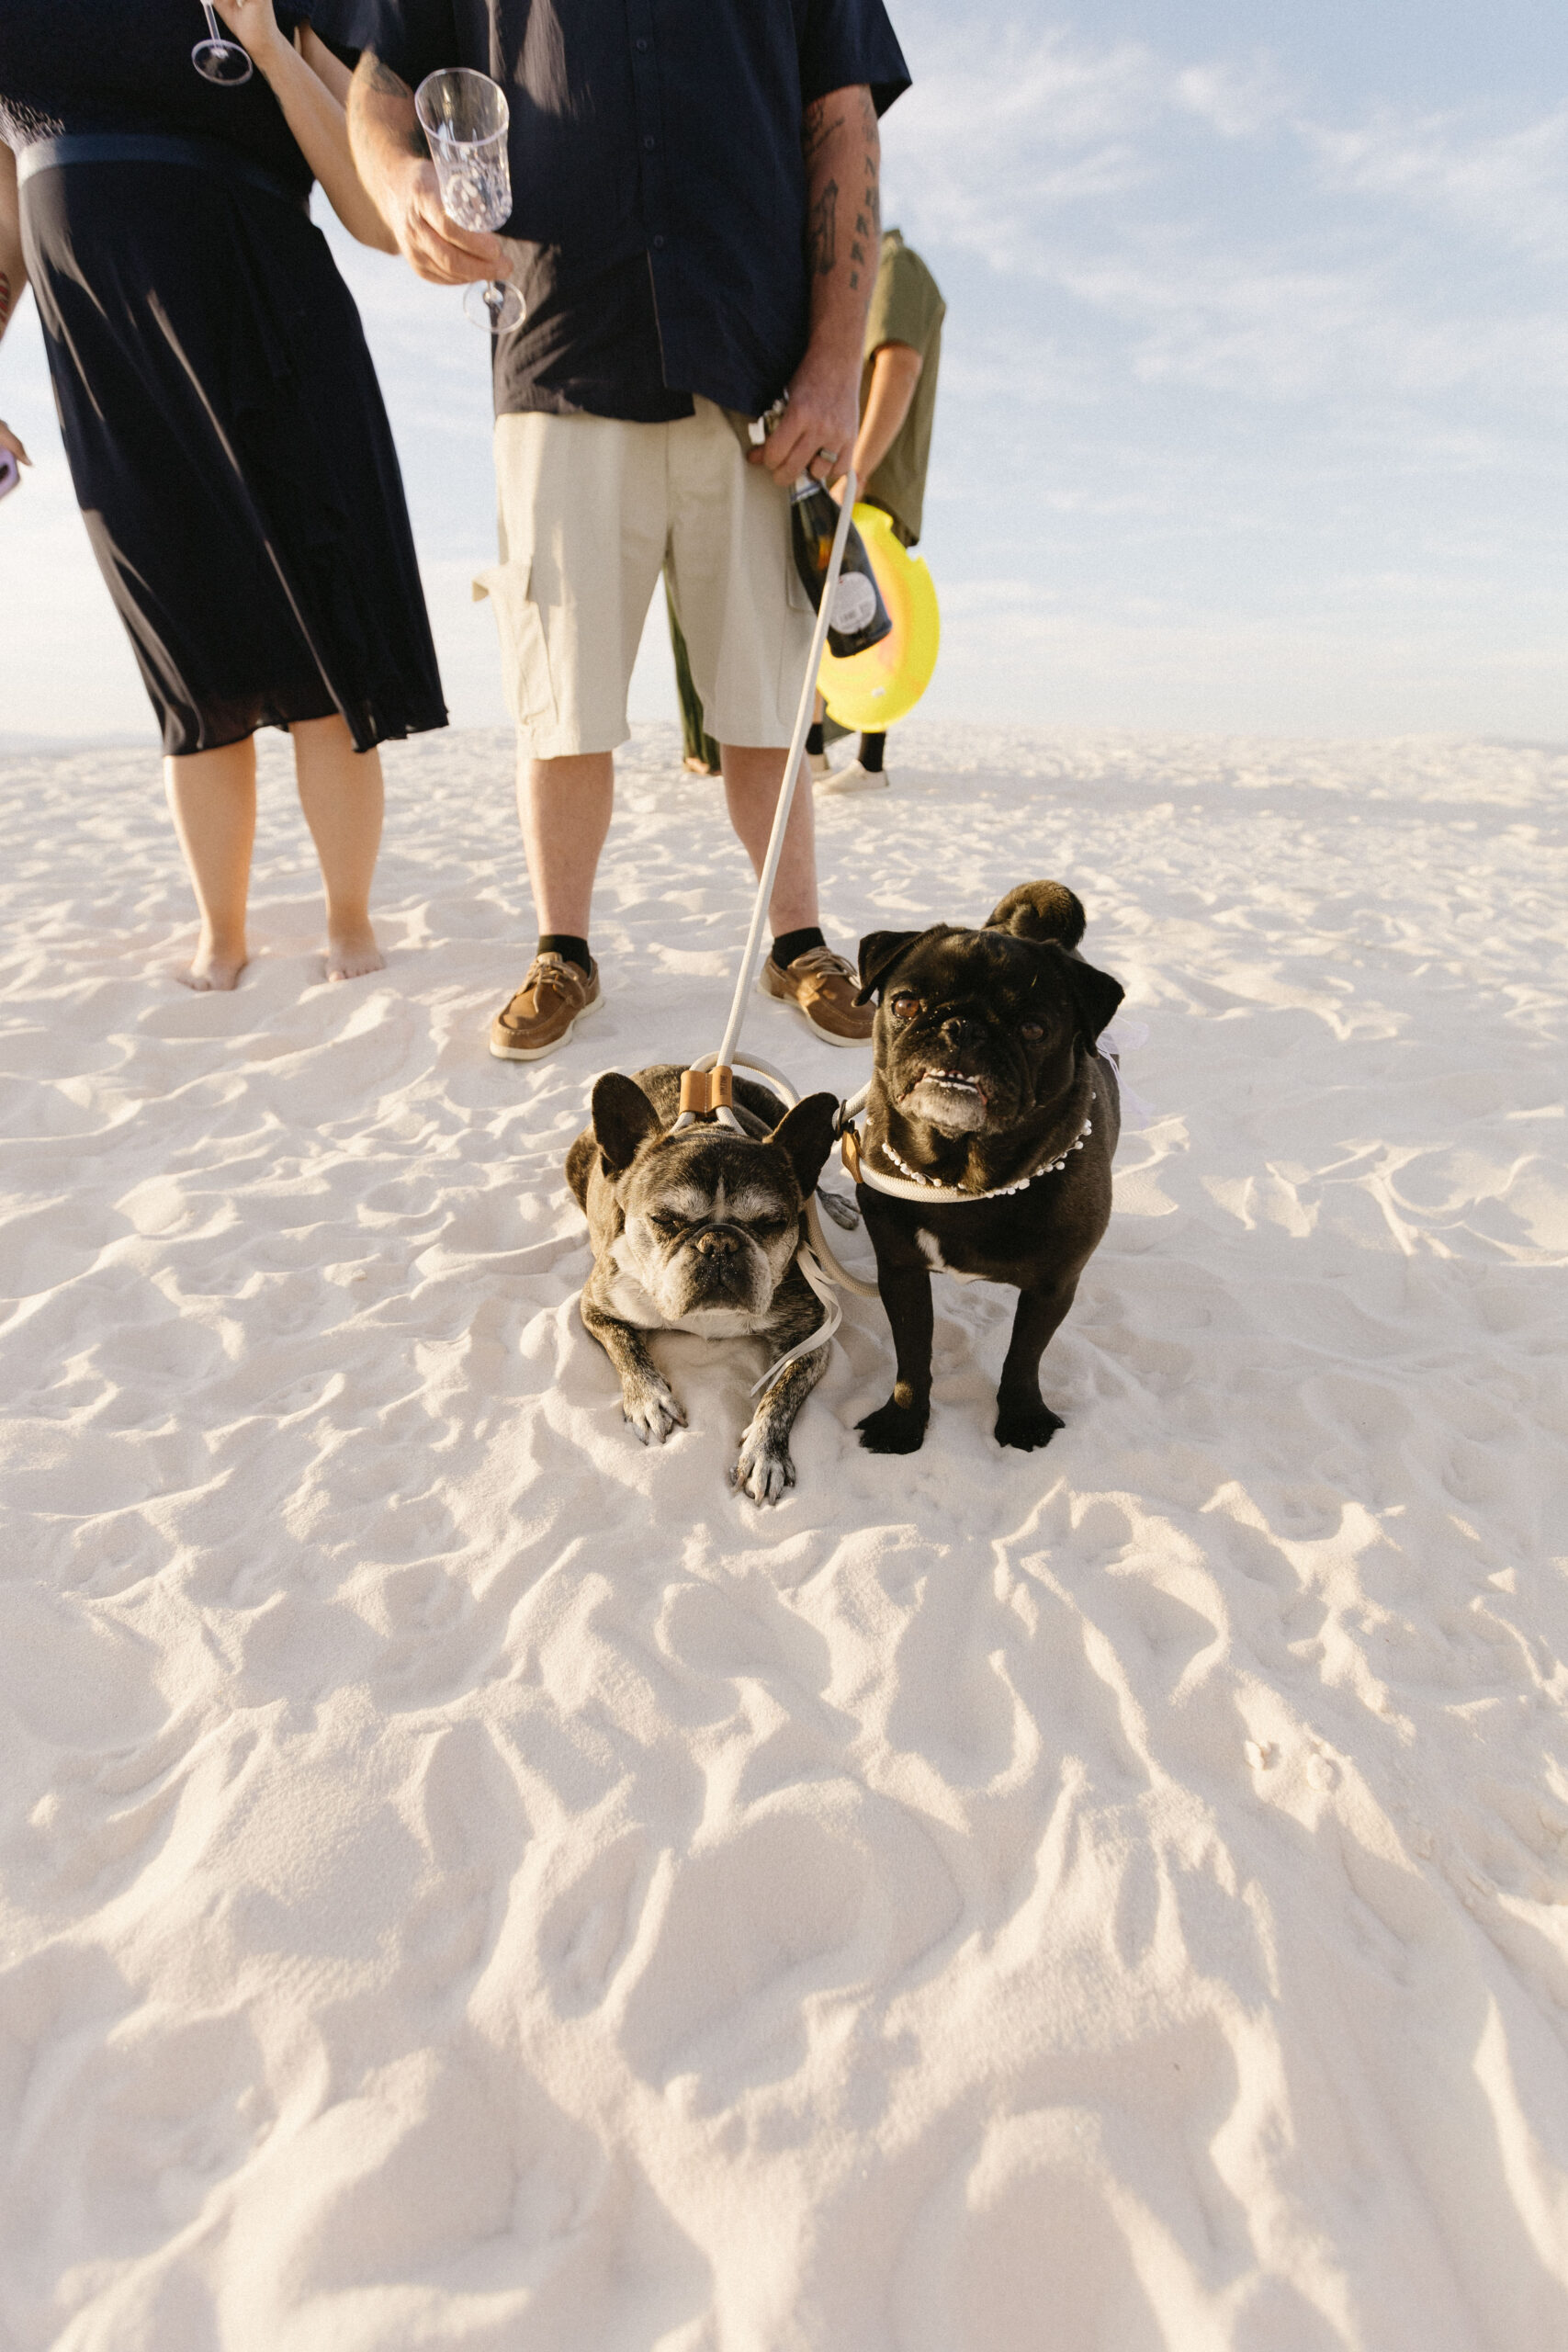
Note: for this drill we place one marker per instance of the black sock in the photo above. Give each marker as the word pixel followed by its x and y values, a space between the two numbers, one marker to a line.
pixel 814 742
pixel 566 943
pixel 791 943
pixel 871 753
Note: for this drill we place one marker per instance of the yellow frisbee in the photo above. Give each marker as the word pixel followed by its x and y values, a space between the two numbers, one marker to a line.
pixel 871 690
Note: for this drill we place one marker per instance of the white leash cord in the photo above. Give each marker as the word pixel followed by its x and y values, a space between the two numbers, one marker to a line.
pixel 816 1259
pixel 804 1257
pixel 751 959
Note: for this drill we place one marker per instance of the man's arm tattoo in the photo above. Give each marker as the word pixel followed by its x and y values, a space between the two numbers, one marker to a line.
pixel 388 84
pixel 816 130
pixel 382 78
pixel 868 220
pixel 822 244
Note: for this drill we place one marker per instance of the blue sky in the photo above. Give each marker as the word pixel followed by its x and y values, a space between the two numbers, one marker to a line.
pixel 1252 413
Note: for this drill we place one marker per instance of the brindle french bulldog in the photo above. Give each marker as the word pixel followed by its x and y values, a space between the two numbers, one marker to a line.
pixel 988 1074
pixel 698 1232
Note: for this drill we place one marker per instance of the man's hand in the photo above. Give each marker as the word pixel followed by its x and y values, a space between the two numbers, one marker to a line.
pixel 434 247
pixel 393 161
pixel 820 416
pixel 843 228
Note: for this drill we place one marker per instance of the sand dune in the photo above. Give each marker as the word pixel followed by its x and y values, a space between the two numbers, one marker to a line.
pixel 468 1881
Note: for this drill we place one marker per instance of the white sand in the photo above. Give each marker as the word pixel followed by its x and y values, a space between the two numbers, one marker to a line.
pixel 471 1882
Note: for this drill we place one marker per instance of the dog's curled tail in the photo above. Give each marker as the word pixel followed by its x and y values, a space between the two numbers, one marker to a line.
pixel 1039 911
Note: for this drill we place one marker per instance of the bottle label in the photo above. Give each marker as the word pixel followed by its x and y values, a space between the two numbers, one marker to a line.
pixel 855 603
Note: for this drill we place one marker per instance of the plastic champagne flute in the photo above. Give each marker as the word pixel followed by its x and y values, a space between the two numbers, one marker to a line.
pixel 217 60
pixel 464 115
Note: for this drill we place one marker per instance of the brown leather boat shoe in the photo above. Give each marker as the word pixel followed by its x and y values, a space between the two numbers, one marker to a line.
pixel 554 998
pixel 822 987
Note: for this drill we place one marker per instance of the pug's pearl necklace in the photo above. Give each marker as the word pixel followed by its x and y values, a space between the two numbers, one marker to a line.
pixel 1001 1191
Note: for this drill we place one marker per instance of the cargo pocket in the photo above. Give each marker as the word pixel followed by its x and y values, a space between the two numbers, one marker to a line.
pixel 525 649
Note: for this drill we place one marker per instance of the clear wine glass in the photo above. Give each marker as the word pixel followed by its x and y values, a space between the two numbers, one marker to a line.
pixel 217 60
pixel 464 115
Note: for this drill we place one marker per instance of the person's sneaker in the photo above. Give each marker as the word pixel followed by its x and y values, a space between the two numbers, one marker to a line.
pixel 554 998
pixel 853 778
pixel 822 987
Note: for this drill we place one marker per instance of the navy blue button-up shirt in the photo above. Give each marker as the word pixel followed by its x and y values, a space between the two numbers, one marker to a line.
pixel 659 189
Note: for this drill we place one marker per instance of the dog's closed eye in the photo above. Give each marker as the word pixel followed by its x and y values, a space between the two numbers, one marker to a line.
pixel 1031 1030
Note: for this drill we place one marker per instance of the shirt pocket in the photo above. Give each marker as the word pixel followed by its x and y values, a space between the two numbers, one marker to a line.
pixel 524 646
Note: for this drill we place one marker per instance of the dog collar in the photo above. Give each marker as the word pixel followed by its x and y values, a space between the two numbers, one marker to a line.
pixel 913 1186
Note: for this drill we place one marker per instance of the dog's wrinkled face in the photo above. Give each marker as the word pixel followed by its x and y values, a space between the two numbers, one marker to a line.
pixel 977 1028
pixel 712 1223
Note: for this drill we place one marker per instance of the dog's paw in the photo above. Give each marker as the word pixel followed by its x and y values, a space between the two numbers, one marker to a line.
pixel 892 1429
pixel 762 1467
pixel 653 1412
pixel 1027 1427
pixel 837 1206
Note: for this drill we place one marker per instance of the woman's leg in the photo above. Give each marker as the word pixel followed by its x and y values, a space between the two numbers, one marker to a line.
pixel 212 798
pixel 340 791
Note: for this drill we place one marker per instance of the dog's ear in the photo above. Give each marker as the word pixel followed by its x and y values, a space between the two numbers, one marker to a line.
pixel 623 1118
pixel 805 1138
pixel 880 951
pixel 1039 911
pixel 1094 993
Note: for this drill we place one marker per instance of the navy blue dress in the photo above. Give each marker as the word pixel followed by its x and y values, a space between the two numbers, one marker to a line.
pixel 225 431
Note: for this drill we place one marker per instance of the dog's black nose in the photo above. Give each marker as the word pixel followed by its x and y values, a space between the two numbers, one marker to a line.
pixel 716 1244
pixel 957 1033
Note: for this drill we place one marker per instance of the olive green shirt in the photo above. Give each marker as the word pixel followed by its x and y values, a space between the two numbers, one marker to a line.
pixel 906 307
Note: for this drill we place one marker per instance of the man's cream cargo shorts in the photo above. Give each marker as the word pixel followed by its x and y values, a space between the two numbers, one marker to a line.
pixel 590 510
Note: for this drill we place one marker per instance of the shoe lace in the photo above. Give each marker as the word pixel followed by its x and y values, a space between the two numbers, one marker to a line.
pixel 547 971
pixel 826 963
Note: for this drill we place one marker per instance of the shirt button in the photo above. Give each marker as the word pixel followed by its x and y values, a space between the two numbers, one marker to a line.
pixel 659 244
pixel 642 45
pixel 650 141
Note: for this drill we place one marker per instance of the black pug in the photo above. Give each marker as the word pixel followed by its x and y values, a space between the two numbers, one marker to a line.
pixel 987 1075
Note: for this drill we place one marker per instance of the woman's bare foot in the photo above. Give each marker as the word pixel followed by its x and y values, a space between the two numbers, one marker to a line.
pixel 213 968
pixel 352 954
pixel 341 792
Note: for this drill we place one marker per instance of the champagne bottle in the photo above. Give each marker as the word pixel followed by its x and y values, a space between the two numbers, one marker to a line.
pixel 858 616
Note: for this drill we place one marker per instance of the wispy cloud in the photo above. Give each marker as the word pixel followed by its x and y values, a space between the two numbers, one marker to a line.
pixel 1264 326
pixel 1270 366
pixel 1509 188
pixel 1226 236
pixel 1239 98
